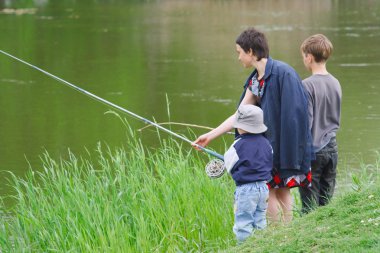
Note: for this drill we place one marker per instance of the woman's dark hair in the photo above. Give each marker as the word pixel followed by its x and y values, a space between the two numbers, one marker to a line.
pixel 255 40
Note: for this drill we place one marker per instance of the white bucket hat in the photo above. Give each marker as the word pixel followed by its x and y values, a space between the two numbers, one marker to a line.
pixel 250 118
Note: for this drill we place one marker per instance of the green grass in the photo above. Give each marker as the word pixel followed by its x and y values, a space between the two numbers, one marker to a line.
pixel 350 223
pixel 127 200
pixel 133 200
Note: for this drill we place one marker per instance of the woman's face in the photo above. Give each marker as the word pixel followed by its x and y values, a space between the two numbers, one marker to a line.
pixel 246 59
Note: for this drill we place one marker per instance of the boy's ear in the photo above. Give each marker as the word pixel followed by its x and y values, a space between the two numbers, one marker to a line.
pixel 309 58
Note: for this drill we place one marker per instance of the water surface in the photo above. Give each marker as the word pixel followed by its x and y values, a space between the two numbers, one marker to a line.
pixel 135 53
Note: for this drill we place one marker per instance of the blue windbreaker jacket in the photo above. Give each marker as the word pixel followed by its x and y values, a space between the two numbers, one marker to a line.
pixel 284 104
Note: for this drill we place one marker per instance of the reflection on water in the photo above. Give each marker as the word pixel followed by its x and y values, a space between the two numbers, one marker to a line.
pixel 15 82
pixel 358 64
pixel 135 53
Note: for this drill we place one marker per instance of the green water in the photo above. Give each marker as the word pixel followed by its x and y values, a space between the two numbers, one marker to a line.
pixel 134 53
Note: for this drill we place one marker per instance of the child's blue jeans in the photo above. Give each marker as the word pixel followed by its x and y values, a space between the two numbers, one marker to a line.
pixel 251 202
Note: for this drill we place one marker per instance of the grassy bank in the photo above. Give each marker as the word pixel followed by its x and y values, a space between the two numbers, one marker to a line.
pixel 126 200
pixel 133 200
pixel 351 223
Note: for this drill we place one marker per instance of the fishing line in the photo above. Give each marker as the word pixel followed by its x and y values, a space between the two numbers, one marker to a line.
pixel 93 96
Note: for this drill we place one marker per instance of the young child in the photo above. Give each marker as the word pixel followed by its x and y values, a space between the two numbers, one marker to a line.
pixel 324 105
pixel 249 161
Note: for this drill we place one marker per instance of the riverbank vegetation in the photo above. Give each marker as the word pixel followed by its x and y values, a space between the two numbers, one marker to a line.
pixel 134 200
pixel 126 200
pixel 350 223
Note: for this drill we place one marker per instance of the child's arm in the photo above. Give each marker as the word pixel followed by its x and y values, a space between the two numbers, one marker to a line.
pixel 226 126
pixel 310 105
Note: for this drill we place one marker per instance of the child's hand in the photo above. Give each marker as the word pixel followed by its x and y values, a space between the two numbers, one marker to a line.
pixel 202 140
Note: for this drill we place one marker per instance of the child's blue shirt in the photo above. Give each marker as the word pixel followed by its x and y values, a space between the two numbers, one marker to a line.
pixel 249 159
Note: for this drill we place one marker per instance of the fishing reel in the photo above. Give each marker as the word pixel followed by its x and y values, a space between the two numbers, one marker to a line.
pixel 215 168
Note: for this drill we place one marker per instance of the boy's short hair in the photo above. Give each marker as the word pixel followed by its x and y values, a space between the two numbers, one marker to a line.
pixel 319 46
pixel 255 40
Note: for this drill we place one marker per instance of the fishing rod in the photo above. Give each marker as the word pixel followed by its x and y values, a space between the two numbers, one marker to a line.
pixel 208 151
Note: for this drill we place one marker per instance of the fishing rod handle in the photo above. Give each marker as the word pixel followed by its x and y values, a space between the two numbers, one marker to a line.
pixel 210 152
